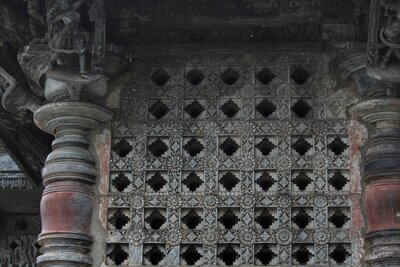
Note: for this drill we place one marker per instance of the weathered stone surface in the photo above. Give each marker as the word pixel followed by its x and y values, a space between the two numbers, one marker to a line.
pixel 204 166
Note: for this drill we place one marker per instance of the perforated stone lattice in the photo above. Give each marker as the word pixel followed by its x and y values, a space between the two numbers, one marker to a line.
pixel 230 160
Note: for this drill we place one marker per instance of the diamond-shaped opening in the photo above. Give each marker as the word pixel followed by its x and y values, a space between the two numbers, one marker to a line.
pixel 154 254
pixel 230 108
pixel 337 146
pixel 265 146
pixel 192 181
pixel 119 220
pixel 301 108
pixel 265 219
pixel 228 218
pixel 160 77
pixel 21 224
pixel 300 75
pixel 339 254
pixel 194 109
pixel 301 146
pixel 159 109
pixel 266 108
pixel 229 146
pixel 265 181
pixel 302 180
pixel 302 219
pixel 338 218
pixel 228 255
pixel 191 255
pixel 118 255
pixel 122 148
pixel 338 180
pixel 157 181
pixel 13 245
pixel 229 180
pixel 302 255
pixel 265 255
pixel 155 219
pixel 265 76
pixel 230 76
pixel 192 219
pixel 121 182
pixel 195 76
pixel 157 148
pixel 193 147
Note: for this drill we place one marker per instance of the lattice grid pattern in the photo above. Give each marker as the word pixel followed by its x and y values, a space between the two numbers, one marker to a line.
pixel 230 160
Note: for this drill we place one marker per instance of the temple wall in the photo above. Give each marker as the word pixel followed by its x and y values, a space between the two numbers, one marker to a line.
pixel 137 122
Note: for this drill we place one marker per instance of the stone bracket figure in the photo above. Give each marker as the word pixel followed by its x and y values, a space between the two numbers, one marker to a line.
pixel 384 40
pixel 66 36
pixel 390 32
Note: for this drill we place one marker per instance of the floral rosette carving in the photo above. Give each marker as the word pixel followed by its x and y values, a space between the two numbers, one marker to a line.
pixel 321 201
pixel 248 91
pixel 247 236
pixel 136 236
pixel 175 163
pixel 212 129
pixel 137 202
pixel 140 130
pixel 320 162
pixel 138 165
pixel 284 162
pixel 318 128
pixel 210 236
pixel 284 128
pixel 173 202
pixel 283 91
pixel 247 201
pixel 173 236
pixel 284 201
pixel 212 163
pixel 210 201
pixel 174 131
pixel 321 236
pixel 284 236
pixel 249 129
pixel 248 163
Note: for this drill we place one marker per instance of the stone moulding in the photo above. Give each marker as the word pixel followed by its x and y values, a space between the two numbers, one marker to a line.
pixel 68 176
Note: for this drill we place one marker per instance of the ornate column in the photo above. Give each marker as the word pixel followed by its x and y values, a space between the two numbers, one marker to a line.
pixel 382 176
pixel 70 171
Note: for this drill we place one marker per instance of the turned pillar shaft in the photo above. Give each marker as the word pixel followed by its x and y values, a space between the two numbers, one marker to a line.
pixel 68 176
pixel 382 179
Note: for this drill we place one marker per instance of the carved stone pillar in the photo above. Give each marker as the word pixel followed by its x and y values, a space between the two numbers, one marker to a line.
pixel 69 172
pixel 382 179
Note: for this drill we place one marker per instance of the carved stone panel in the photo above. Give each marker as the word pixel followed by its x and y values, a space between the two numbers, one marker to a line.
pixel 230 160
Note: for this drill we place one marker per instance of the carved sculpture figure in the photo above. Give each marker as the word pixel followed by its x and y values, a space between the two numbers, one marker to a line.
pixel 390 32
pixel 65 34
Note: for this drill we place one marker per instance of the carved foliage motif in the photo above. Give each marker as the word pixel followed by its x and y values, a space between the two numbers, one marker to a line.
pixel 246 165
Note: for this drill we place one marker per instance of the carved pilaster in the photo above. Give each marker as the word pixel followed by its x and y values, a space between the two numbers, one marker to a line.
pixel 69 173
pixel 382 179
